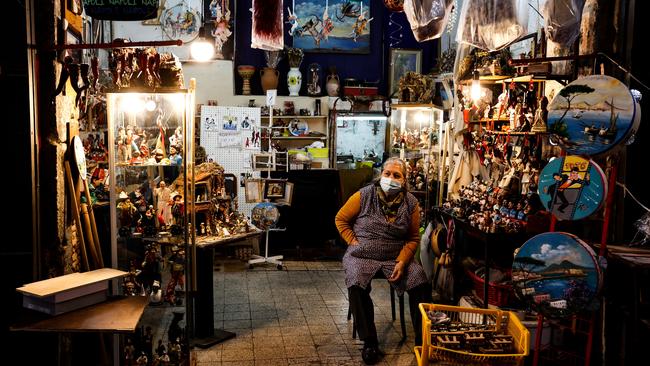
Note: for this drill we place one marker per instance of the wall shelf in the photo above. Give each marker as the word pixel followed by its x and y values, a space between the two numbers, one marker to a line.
pixel 299 138
pixel 299 117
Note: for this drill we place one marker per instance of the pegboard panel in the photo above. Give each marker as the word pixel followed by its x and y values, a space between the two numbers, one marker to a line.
pixel 230 135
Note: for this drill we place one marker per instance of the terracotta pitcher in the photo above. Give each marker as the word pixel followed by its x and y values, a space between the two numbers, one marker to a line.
pixel 269 77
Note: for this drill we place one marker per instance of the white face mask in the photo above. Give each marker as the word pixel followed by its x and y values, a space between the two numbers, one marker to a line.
pixel 389 186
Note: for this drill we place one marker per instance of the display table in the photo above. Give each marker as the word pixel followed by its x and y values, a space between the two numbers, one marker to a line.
pixel 206 334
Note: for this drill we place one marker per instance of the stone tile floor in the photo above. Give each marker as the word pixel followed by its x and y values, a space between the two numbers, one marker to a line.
pixel 297 316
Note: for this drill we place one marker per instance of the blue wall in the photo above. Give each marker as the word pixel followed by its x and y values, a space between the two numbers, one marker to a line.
pixel 372 67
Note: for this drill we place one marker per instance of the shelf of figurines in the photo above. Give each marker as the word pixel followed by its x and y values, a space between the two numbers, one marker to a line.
pixel 492 209
pixel 293 116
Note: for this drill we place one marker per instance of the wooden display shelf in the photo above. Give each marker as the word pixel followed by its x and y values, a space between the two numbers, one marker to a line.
pixel 299 138
pixel 299 117
pixel 515 133
pixel 489 79
pixel 412 105
pixel 116 315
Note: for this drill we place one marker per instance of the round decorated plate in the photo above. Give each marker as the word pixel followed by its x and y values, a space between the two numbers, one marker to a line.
pixel 265 215
pixel 572 187
pixel 298 128
pixel 592 115
pixel 557 274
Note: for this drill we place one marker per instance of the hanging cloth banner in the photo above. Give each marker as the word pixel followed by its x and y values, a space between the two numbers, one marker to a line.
pixel 121 10
pixel 492 24
pixel 428 18
pixel 267 25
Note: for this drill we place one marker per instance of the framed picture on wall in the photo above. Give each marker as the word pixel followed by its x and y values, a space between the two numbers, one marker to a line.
pixel 253 190
pixel 402 60
pixel 331 26
pixel 524 47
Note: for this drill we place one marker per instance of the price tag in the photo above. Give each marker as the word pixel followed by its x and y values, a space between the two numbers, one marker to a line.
pixel 270 97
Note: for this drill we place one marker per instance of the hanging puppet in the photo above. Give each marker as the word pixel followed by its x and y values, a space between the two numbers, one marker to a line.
pixel 360 24
pixel 220 10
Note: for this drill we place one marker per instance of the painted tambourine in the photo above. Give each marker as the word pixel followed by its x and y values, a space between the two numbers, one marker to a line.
pixel 265 215
pixel 572 187
pixel 592 115
pixel 557 274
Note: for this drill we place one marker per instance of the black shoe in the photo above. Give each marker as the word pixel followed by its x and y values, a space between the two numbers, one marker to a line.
pixel 371 355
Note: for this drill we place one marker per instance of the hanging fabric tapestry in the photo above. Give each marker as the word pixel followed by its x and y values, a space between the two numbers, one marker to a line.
pixel 267 25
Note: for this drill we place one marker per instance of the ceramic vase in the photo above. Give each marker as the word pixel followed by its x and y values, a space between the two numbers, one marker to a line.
pixel 246 72
pixel 269 77
pixel 333 83
pixel 294 81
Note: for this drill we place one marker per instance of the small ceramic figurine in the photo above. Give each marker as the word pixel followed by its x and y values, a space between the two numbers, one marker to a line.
pixel 175 157
pixel 142 359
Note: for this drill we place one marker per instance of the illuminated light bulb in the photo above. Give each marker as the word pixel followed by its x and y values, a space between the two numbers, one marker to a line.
pixel 150 105
pixel 476 87
pixel 132 104
pixel 202 50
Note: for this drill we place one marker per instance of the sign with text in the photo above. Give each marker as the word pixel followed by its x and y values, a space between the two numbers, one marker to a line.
pixel 121 9
pixel 270 97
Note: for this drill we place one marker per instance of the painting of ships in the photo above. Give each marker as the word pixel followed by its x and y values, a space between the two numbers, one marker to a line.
pixel 592 115
pixel 609 134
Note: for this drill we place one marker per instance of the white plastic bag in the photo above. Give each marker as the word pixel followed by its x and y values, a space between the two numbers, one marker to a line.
pixel 492 24
pixel 428 18
pixel 562 20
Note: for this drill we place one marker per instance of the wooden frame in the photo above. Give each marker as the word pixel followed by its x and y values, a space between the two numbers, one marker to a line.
pixel 253 190
pixel 402 60
pixel 274 188
pixel 263 161
pixel 524 45
pixel 288 195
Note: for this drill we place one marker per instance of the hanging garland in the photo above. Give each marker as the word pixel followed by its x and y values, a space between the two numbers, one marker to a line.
pixel 394 31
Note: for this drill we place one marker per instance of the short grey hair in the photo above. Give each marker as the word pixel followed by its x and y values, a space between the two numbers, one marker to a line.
pixel 396 161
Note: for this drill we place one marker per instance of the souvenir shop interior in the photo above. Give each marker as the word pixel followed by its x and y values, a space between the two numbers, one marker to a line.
pixel 326 182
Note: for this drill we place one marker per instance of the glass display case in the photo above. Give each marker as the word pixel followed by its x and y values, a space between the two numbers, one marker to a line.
pixel 150 140
pixel 414 135
pixel 360 139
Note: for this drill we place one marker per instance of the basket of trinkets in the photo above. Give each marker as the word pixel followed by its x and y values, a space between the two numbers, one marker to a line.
pixel 470 336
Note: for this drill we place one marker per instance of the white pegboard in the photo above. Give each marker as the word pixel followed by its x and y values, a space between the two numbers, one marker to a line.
pixel 224 135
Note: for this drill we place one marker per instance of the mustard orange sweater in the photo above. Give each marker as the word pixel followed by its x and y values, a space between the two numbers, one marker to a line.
pixel 347 215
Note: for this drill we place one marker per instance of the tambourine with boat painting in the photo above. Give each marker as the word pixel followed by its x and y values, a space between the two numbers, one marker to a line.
pixel 557 273
pixel 572 187
pixel 592 115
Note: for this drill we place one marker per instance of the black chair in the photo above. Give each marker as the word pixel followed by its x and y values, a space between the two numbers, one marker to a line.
pixel 380 275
